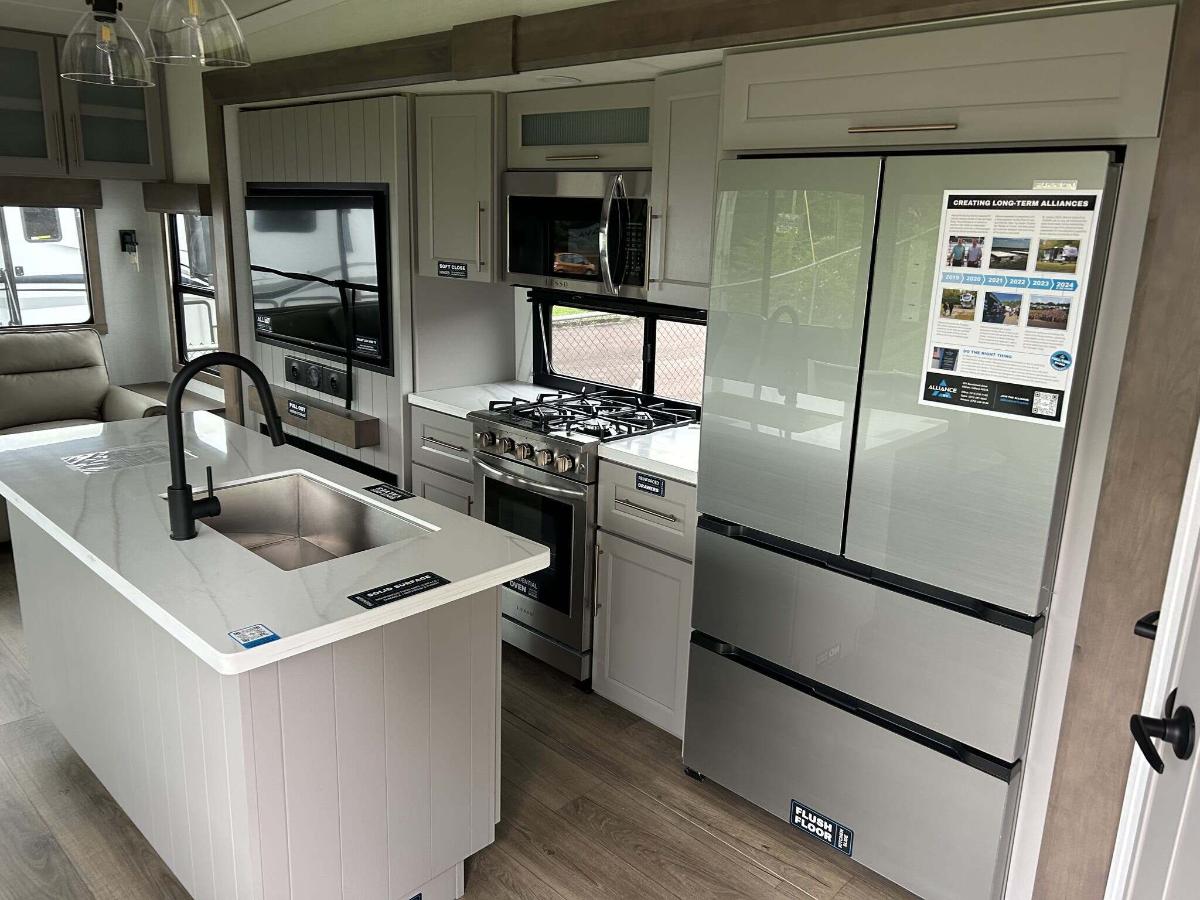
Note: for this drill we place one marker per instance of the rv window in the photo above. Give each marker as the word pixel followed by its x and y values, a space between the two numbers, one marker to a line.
pixel 41 224
pixel 43 268
pixel 642 347
pixel 189 244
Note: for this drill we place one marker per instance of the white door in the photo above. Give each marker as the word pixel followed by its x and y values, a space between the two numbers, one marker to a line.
pixel 1156 852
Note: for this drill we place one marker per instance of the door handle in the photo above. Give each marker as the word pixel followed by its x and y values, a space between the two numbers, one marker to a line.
pixel 1147 625
pixel 1177 728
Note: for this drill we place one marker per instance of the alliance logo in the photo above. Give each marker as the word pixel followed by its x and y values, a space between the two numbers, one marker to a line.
pixel 1060 360
pixel 941 391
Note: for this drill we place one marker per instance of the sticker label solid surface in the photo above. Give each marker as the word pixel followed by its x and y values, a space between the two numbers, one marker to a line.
pixel 388 492
pixel 398 590
pixel 1007 307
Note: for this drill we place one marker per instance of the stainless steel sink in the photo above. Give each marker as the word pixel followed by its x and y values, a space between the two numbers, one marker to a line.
pixel 293 521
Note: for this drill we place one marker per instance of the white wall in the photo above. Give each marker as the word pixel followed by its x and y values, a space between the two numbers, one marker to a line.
pixel 460 333
pixel 185 124
pixel 137 346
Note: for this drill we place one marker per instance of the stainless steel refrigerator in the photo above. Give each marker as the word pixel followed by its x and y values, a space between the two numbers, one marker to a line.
pixel 872 572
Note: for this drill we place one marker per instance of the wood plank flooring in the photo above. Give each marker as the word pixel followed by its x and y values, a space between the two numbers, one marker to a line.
pixel 595 805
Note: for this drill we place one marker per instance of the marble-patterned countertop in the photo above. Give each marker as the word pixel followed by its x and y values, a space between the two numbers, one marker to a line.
pixel 672 452
pixel 458 401
pixel 115 521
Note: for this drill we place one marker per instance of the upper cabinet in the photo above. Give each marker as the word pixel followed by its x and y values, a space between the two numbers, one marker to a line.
pixel 457 172
pixel 687 118
pixel 31 141
pixel 113 132
pixel 604 126
pixel 51 126
pixel 1091 75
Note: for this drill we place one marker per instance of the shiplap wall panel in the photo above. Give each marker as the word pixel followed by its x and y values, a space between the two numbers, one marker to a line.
pixel 363 770
pixel 345 141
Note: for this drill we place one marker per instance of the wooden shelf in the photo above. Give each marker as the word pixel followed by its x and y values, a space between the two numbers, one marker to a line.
pixel 347 427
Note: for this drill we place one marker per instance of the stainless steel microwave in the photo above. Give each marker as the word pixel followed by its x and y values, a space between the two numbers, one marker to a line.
pixel 578 231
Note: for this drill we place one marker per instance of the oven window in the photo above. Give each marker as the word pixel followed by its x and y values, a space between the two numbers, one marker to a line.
pixel 540 519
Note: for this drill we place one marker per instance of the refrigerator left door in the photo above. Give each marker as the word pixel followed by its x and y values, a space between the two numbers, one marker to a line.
pixel 791 263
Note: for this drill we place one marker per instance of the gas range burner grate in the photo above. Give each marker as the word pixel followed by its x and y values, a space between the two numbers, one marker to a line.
pixel 604 414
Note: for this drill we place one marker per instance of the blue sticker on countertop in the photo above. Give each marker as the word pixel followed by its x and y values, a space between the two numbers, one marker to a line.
pixel 253 636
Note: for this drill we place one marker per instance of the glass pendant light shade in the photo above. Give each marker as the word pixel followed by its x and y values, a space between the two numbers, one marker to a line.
pixel 196 33
pixel 103 49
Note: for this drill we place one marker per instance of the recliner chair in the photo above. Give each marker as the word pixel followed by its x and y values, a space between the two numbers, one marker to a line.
pixel 52 379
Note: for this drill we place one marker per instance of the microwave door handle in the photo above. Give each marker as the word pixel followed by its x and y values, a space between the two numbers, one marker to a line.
pixel 605 220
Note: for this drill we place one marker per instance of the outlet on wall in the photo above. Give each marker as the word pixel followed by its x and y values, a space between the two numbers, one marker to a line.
pixel 325 379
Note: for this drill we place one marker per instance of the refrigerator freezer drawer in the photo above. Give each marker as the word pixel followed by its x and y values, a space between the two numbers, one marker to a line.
pixel 952 673
pixel 930 823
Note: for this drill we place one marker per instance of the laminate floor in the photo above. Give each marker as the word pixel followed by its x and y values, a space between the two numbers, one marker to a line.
pixel 595 804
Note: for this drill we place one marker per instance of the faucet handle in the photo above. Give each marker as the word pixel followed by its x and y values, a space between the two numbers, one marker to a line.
pixel 208 475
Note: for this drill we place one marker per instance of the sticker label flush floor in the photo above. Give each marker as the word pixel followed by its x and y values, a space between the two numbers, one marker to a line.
pixel 837 836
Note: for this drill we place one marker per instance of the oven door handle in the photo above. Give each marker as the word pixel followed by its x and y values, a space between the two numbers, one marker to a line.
pixel 610 194
pixel 525 483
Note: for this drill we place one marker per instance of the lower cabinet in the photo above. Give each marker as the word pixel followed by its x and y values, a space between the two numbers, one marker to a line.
pixel 642 628
pixel 445 490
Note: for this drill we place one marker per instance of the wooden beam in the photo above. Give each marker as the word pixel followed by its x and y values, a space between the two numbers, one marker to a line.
pixel 321 418
pixel 387 64
pixel 625 29
pixel 484 49
pixel 176 197
pixel 20 190
pixel 1149 449
pixel 222 234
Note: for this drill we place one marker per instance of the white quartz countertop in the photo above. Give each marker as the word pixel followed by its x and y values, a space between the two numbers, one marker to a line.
pixel 458 401
pixel 672 452
pixel 115 521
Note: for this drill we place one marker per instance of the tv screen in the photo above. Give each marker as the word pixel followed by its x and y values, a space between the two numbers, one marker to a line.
pixel 301 237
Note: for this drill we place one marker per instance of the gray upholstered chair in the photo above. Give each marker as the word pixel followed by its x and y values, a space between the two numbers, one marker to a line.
pixel 52 379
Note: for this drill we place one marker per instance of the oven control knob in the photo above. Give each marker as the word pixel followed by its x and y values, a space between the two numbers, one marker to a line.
pixel 507 444
pixel 524 451
pixel 564 464
pixel 485 438
pixel 545 457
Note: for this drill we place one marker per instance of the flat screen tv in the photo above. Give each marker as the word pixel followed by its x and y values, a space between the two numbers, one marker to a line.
pixel 315 250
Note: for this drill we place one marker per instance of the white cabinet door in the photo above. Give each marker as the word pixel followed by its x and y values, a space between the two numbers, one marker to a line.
pixel 687 120
pixel 444 490
pixel 602 126
pixel 456 178
pixel 31 137
pixel 643 625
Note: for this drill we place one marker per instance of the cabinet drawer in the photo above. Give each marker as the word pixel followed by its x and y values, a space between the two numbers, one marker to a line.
pixel 629 505
pixel 444 490
pixel 931 823
pixel 958 675
pixel 595 127
pixel 442 442
pixel 1096 75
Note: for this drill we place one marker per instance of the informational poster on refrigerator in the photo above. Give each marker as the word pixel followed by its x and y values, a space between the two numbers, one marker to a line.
pixel 1008 301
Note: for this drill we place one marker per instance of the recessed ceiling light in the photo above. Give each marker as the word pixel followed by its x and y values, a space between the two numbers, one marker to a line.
pixel 560 80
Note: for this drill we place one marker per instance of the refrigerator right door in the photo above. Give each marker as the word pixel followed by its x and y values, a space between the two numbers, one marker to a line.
pixel 958 499
pixel 791 263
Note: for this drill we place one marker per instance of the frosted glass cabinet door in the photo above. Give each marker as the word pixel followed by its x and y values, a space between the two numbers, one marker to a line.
pixel 791 260
pixel 30 120
pixel 114 132
pixel 958 500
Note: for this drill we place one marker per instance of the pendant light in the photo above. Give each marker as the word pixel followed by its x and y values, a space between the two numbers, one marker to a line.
pixel 198 33
pixel 103 49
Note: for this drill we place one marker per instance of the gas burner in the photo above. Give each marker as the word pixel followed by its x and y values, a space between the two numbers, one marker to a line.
pixel 595 428
pixel 600 414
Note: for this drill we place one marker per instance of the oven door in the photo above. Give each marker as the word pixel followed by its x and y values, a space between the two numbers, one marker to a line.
pixel 578 231
pixel 555 512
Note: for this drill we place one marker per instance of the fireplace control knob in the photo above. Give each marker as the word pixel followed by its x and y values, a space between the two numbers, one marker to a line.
pixel 485 438
pixel 545 457
pixel 524 451
pixel 564 464
pixel 507 445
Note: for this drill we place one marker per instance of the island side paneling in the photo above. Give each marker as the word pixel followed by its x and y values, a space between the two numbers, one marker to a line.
pixel 367 768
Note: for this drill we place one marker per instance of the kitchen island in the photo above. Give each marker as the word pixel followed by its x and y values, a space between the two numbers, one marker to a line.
pixel 314 723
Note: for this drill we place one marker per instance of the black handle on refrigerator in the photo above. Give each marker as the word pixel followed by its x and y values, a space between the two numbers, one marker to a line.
pixel 1177 727
pixel 1147 626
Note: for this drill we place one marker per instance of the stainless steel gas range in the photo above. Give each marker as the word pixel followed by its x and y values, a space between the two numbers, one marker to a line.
pixel 535 475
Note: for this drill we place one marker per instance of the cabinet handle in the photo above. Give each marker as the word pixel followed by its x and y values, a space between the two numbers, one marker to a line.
pixel 479 263
pixel 443 444
pixel 76 139
pixel 666 517
pixel 883 129
pixel 59 140
pixel 661 255
pixel 572 158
